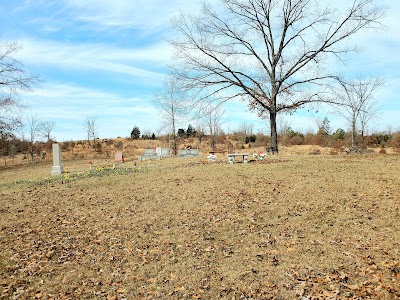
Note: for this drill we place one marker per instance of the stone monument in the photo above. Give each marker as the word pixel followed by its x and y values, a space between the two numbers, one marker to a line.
pixel 57 164
pixel 119 157
pixel 188 153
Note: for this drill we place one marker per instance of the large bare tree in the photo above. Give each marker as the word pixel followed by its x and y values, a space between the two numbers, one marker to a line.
pixel 13 79
pixel 213 117
pixel 370 111
pixel 171 100
pixel 90 125
pixel 275 54
pixel 34 126
pixel 358 104
pixel 47 128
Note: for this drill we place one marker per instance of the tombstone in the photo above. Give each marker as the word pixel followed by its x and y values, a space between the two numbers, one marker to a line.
pixel 157 153
pixel 57 168
pixel 149 154
pixel 165 152
pixel 212 157
pixel 188 153
pixel 119 157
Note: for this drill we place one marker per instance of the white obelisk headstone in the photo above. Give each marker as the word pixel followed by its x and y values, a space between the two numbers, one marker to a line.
pixel 57 164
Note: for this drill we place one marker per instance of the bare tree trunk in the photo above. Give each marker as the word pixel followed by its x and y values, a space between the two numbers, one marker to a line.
pixel 362 137
pixel 91 129
pixel 274 134
pixel 174 147
pixel 353 131
pixel 32 153
pixel 213 141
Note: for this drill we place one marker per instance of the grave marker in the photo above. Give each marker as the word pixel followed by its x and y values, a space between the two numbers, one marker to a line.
pixel 165 152
pixel 188 153
pixel 57 168
pixel 148 154
pixel 119 157
pixel 158 153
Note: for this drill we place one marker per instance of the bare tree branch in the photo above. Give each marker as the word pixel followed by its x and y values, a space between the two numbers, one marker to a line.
pixel 13 79
pixel 172 102
pixel 46 129
pixel 90 125
pixel 34 126
pixel 357 102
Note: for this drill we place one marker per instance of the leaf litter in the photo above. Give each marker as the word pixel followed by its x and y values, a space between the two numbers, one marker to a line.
pixel 299 228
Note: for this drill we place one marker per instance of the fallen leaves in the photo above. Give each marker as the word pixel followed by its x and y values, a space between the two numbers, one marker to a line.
pixel 316 236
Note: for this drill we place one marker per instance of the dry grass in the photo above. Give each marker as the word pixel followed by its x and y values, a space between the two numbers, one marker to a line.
pixel 290 227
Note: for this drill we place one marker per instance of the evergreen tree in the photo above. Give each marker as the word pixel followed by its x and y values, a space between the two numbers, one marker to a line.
pixel 324 131
pixel 181 132
pixel 325 127
pixel 190 132
pixel 135 133
pixel 339 134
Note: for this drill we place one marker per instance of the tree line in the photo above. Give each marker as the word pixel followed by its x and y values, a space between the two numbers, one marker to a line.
pixel 244 136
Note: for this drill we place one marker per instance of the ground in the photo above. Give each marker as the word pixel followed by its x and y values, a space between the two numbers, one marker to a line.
pixel 289 227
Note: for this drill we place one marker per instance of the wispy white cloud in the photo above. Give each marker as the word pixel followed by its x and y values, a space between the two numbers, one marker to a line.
pixel 140 62
pixel 147 16
pixel 50 28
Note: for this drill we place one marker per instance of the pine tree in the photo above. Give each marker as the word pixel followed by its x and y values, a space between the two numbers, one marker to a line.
pixel 135 133
pixel 190 132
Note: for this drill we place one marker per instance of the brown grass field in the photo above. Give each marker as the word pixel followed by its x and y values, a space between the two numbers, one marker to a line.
pixel 288 227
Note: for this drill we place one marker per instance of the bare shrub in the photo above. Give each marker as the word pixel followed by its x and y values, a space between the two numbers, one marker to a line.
pixel 118 144
pixel 333 151
pixel 395 141
pixel 314 151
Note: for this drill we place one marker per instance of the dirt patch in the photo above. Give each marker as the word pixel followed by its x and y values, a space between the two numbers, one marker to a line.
pixel 297 228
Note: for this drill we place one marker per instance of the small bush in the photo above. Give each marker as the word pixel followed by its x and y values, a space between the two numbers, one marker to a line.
pixel 118 144
pixel 338 144
pixel 333 151
pixel 97 147
pixel 314 151
pixel 67 145
pixel 395 141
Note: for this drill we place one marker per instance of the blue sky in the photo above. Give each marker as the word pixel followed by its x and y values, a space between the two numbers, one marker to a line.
pixel 106 58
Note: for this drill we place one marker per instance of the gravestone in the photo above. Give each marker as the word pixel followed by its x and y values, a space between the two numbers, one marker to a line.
pixel 188 153
pixel 119 157
pixel 165 152
pixel 57 168
pixel 158 153
pixel 148 154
